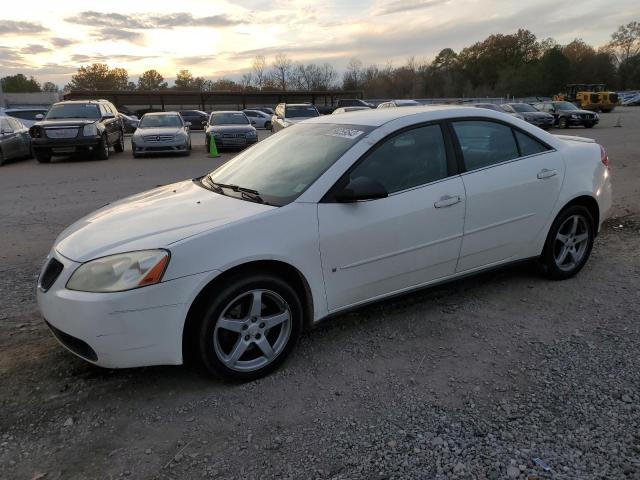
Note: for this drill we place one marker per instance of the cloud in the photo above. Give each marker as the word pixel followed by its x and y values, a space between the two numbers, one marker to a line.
pixel 403 6
pixel 114 33
pixel 34 49
pixel 9 57
pixel 151 21
pixel 21 28
pixel 81 58
pixel 61 42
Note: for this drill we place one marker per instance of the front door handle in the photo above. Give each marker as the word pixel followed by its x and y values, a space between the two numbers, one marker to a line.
pixel 447 201
pixel 545 173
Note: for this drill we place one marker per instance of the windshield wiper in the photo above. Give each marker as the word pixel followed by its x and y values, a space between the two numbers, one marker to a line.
pixel 247 193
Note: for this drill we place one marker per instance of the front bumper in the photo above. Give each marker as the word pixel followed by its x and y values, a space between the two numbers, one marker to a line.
pixel 545 123
pixel 136 328
pixel 65 145
pixel 142 148
pixel 575 122
pixel 234 142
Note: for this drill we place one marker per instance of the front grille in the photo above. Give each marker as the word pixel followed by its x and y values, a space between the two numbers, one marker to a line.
pixel 77 346
pixel 233 135
pixel 69 132
pixel 49 274
pixel 158 138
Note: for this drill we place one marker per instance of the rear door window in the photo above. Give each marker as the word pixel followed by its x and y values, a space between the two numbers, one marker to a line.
pixel 485 143
pixel 528 145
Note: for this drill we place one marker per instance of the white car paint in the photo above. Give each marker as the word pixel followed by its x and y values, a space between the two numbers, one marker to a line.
pixel 257 118
pixel 348 254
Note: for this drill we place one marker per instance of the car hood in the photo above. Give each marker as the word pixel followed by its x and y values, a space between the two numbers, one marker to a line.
pixel 63 122
pixel 575 111
pixel 230 128
pixel 153 219
pixel 157 131
pixel 297 119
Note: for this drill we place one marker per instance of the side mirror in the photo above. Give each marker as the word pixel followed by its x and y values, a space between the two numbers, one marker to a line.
pixel 187 124
pixel 39 116
pixel 253 122
pixel 552 110
pixel 361 188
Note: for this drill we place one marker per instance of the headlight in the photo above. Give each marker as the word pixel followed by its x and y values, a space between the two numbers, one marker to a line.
pixel 117 273
pixel 90 130
pixel 573 115
pixel 251 134
pixel 216 134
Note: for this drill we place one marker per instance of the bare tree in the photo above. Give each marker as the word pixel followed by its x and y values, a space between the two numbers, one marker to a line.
pixel 352 77
pixel 246 80
pixel 282 67
pixel 625 41
pixel 259 67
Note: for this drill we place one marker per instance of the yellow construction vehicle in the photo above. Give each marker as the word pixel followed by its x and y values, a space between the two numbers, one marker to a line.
pixel 590 96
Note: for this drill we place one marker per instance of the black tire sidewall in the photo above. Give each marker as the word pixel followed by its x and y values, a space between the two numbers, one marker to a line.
pixel 220 299
pixel 563 122
pixel 547 259
pixel 42 156
pixel 101 154
pixel 119 145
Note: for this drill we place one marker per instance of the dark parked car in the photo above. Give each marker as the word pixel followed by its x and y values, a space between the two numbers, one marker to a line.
pixel 353 102
pixel 14 139
pixel 129 122
pixel 197 118
pixel 566 114
pixel 230 130
pixel 75 126
pixel 530 114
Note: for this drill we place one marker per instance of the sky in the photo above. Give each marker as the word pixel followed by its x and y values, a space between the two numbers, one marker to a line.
pixel 218 38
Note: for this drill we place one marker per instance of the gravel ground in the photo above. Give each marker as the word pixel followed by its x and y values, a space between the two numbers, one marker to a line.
pixel 503 375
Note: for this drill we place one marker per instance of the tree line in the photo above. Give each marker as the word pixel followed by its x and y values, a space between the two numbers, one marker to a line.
pixel 516 64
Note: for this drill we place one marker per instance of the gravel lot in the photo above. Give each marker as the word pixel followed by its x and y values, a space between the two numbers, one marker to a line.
pixel 503 375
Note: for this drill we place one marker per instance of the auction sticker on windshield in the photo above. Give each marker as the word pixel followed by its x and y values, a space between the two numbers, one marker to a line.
pixel 349 133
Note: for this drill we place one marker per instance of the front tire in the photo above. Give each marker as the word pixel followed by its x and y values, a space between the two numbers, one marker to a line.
pixel 42 156
pixel 249 326
pixel 569 243
pixel 588 125
pixel 119 146
pixel 268 126
pixel 102 152
pixel 563 122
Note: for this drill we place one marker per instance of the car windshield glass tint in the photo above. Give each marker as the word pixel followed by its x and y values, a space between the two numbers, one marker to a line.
pixel 283 166
pixel 228 119
pixel 522 107
pixel 301 111
pixel 74 110
pixel 564 106
pixel 155 121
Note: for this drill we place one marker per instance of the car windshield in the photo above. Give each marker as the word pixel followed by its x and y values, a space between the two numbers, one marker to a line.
pixel 301 111
pixel 156 121
pixel 407 103
pixel 228 119
pixel 522 107
pixel 74 110
pixel 564 106
pixel 283 166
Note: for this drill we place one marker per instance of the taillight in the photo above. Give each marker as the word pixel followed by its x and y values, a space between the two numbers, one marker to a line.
pixel 604 158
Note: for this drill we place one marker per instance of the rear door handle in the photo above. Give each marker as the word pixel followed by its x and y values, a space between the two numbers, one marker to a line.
pixel 447 201
pixel 545 173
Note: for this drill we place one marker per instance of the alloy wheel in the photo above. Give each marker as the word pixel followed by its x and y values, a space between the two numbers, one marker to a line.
pixel 252 330
pixel 571 243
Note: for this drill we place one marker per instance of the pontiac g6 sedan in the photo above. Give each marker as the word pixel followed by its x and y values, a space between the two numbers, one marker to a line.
pixel 327 215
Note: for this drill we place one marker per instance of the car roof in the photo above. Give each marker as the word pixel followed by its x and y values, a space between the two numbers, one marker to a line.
pixel 374 117
pixel 227 111
pixel 23 109
pixel 299 105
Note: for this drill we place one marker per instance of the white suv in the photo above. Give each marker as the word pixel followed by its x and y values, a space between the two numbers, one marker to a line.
pixel 289 113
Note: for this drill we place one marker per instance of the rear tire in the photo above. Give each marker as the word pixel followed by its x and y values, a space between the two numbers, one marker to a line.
pixel 267 126
pixel 42 156
pixel 569 243
pixel 102 152
pixel 119 145
pixel 2 159
pixel 249 326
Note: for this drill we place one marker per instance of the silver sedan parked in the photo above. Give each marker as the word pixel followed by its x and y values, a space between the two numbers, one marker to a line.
pixel 15 141
pixel 161 132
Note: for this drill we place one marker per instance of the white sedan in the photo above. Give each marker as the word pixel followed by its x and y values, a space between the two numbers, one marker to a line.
pixel 329 214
